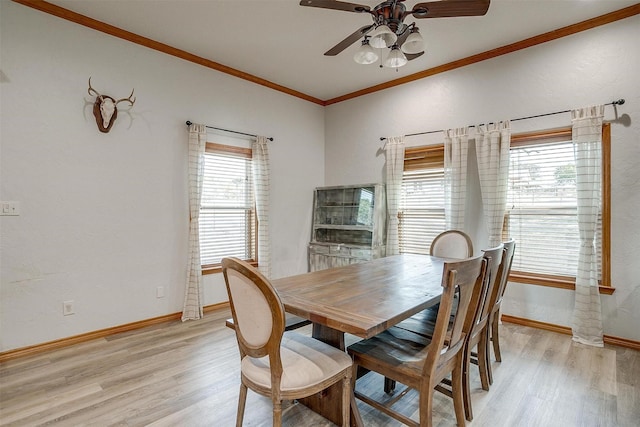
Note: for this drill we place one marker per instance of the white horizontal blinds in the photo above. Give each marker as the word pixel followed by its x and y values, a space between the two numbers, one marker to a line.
pixel 542 208
pixel 227 217
pixel 422 199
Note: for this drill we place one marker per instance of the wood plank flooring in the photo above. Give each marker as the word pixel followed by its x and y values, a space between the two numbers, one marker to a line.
pixel 187 374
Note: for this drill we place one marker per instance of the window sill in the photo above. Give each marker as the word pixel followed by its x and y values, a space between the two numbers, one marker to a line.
pixel 217 268
pixel 211 269
pixel 560 282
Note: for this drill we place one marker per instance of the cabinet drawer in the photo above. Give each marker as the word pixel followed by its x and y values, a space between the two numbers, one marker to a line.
pixel 360 253
pixel 339 250
pixel 319 249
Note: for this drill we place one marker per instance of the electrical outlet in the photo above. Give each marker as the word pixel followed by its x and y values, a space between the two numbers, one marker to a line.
pixel 9 208
pixel 67 308
pixel 160 292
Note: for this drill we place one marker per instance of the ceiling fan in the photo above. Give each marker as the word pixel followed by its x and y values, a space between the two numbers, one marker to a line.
pixel 389 30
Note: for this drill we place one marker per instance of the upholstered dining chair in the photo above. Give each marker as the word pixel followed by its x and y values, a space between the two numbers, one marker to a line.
pixel 422 363
pixel 452 244
pixel 274 363
pixel 496 302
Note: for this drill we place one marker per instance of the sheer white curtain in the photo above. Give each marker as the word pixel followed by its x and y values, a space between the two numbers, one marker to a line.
pixel 261 184
pixel 456 146
pixel 587 143
pixel 394 150
pixel 492 153
pixel 193 298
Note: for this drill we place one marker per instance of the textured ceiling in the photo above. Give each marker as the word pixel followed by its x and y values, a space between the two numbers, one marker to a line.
pixel 283 42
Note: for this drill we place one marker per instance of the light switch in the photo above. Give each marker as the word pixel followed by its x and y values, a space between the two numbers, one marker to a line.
pixel 10 208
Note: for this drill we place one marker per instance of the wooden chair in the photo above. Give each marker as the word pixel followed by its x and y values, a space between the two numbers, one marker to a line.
pixel 478 336
pixel 477 331
pixel 496 301
pixel 422 363
pixel 452 244
pixel 274 363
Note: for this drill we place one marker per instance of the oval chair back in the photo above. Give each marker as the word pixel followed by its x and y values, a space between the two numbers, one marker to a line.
pixel 274 363
pixel 452 244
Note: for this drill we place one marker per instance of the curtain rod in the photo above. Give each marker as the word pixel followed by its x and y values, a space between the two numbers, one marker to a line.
pixel 618 102
pixel 189 123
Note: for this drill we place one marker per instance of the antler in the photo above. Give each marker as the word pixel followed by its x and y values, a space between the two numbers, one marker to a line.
pixel 129 100
pixel 93 90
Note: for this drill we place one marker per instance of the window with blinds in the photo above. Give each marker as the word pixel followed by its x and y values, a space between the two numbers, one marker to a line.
pixel 541 213
pixel 227 215
pixel 422 199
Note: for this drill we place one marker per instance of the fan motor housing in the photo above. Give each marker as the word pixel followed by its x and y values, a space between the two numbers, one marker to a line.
pixel 390 13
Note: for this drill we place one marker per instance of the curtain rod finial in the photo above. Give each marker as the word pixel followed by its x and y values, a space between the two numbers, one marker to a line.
pixel 189 123
pixel 618 102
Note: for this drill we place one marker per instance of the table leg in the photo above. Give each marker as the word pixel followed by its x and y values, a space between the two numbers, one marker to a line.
pixel 333 337
pixel 328 403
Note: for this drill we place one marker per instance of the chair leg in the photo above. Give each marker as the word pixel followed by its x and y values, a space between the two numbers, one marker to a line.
pixel 487 356
pixel 495 337
pixel 466 388
pixel 346 400
pixel 458 396
pixel 482 359
pixel 242 399
pixel 389 385
pixel 426 406
pixel 277 413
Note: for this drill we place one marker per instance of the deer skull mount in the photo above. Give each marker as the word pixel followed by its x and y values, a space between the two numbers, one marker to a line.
pixel 105 108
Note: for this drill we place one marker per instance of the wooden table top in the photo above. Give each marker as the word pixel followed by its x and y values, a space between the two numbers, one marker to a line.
pixel 367 298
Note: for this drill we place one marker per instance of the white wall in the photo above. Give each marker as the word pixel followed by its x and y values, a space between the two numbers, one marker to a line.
pixel 104 217
pixel 596 66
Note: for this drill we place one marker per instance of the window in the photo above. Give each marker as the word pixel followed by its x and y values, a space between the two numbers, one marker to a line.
pixel 541 212
pixel 422 199
pixel 227 209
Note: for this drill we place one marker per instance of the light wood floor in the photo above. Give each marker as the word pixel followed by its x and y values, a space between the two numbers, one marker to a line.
pixel 187 374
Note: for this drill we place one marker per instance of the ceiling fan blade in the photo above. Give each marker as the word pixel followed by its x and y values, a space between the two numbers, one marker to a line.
pixel 349 40
pixel 411 56
pixel 450 8
pixel 336 5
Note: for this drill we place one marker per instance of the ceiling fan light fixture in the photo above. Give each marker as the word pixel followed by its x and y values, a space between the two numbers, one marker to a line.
pixel 395 59
pixel 382 37
pixel 365 54
pixel 414 43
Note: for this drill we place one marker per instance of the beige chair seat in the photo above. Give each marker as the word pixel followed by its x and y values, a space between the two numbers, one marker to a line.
pixel 305 362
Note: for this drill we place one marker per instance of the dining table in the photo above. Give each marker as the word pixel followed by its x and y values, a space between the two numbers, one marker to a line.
pixel 361 299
